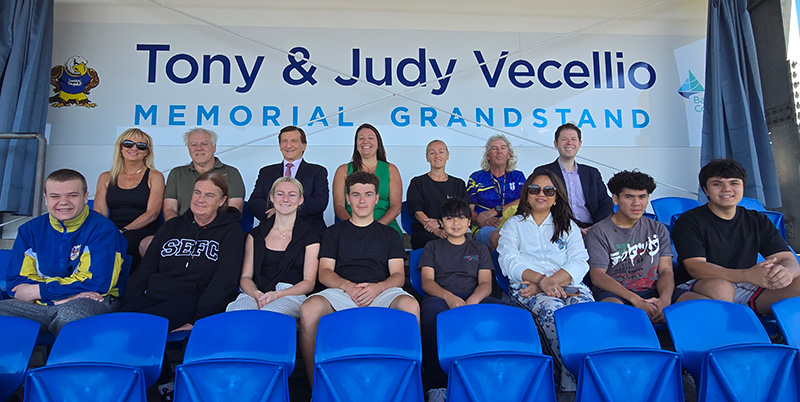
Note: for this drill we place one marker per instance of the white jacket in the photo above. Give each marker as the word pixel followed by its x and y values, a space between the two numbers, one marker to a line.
pixel 525 245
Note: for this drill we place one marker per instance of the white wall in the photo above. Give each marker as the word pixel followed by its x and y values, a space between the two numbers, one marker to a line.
pixel 667 35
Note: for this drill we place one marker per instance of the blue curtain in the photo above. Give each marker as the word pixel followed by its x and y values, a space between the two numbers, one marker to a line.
pixel 26 48
pixel 733 119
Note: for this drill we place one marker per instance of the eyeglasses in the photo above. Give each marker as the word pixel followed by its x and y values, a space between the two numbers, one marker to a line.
pixel 548 191
pixel 142 146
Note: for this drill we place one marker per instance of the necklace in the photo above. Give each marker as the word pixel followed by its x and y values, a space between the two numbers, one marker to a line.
pixel 134 174
pixel 284 236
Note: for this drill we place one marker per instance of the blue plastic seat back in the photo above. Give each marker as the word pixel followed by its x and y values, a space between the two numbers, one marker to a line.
pixel 129 339
pixel 698 326
pixel 17 338
pixel 247 334
pixel 5 260
pixel 665 207
pixel 85 382
pixel 414 273
pixel 502 280
pixel 367 353
pixel 787 313
pixel 502 376
pixel 493 352
pixel 752 203
pixel 406 217
pixel 481 328
pixel 778 219
pixel 247 219
pixel 627 374
pixel 611 326
pixel 753 373
pixel 231 379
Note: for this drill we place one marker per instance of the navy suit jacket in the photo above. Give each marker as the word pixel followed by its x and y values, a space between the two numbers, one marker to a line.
pixel 314 179
pixel 595 192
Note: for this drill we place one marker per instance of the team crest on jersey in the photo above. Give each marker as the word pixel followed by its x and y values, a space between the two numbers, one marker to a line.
pixel 76 251
pixel 512 185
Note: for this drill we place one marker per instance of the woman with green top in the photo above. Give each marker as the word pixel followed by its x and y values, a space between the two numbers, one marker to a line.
pixel 370 156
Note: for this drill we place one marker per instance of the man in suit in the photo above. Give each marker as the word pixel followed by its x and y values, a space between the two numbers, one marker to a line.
pixel 587 193
pixel 292 141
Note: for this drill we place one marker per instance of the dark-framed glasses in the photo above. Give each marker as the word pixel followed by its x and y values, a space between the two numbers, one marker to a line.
pixel 142 146
pixel 535 189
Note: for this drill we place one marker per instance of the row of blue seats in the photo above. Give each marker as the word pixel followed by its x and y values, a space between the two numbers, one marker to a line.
pixel 491 352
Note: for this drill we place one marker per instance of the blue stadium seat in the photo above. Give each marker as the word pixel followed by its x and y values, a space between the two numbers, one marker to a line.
pixel 622 360
pixel 787 313
pixel 667 207
pixel 502 280
pixel 16 345
pixel 414 274
pixel 250 360
pixel 492 352
pixel 367 354
pixel 725 347
pixel 752 203
pixel 5 260
pixel 247 219
pixel 778 219
pixel 107 357
pixel 406 218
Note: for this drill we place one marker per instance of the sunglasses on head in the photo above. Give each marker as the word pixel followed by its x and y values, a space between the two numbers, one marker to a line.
pixel 534 189
pixel 142 146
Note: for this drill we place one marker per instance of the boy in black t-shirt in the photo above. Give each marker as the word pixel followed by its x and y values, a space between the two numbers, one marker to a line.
pixel 456 271
pixel 361 263
pixel 718 245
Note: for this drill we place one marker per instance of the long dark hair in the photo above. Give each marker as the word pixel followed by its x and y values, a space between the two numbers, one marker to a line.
pixel 561 211
pixel 356 160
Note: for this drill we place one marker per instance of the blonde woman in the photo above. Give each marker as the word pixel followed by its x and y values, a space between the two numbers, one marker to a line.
pixel 280 256
pixel 132 192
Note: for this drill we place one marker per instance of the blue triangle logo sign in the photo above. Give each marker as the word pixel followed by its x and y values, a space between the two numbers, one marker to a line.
pixel 690 87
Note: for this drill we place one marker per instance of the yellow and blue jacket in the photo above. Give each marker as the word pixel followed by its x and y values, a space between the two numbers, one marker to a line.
pixel 83 254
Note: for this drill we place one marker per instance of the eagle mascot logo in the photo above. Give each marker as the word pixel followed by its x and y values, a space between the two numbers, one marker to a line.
pixel 71 82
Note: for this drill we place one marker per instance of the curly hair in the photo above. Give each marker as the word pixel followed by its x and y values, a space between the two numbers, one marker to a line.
pixel 512 157
pixel 633 180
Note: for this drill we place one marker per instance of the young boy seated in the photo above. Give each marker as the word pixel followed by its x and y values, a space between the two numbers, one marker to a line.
pixel 361 263
pixel 630 257
pixel 718 244
pixel 456 271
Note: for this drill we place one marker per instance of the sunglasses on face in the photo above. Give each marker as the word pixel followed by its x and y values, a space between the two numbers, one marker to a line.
pixel 549 191
pixel 142 146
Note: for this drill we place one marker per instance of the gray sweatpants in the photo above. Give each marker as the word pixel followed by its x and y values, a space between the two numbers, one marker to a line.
pixel 53 318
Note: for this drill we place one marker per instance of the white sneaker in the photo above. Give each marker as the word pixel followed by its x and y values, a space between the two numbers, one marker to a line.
pixel 437 395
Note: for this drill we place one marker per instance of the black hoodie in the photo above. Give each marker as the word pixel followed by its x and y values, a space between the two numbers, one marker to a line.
pixel 187 261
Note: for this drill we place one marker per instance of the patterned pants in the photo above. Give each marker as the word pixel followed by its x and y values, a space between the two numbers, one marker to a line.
pixel 542 307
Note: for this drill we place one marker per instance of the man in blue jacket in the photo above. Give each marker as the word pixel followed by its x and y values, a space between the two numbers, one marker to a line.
pixel 67 264
pixel 587 193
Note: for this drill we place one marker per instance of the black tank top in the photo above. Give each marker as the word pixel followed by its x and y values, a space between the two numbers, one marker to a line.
pixel 269 267
pixel 124 206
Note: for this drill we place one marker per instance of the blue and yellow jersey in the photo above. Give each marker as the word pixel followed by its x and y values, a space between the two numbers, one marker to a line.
pixel 84 254
pixel 487 191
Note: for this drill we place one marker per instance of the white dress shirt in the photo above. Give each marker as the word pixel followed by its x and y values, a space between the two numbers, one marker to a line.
pixel 525 245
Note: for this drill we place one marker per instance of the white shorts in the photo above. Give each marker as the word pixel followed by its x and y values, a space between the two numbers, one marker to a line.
pixel 289 305
pixel 745 292
pixel 340 300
